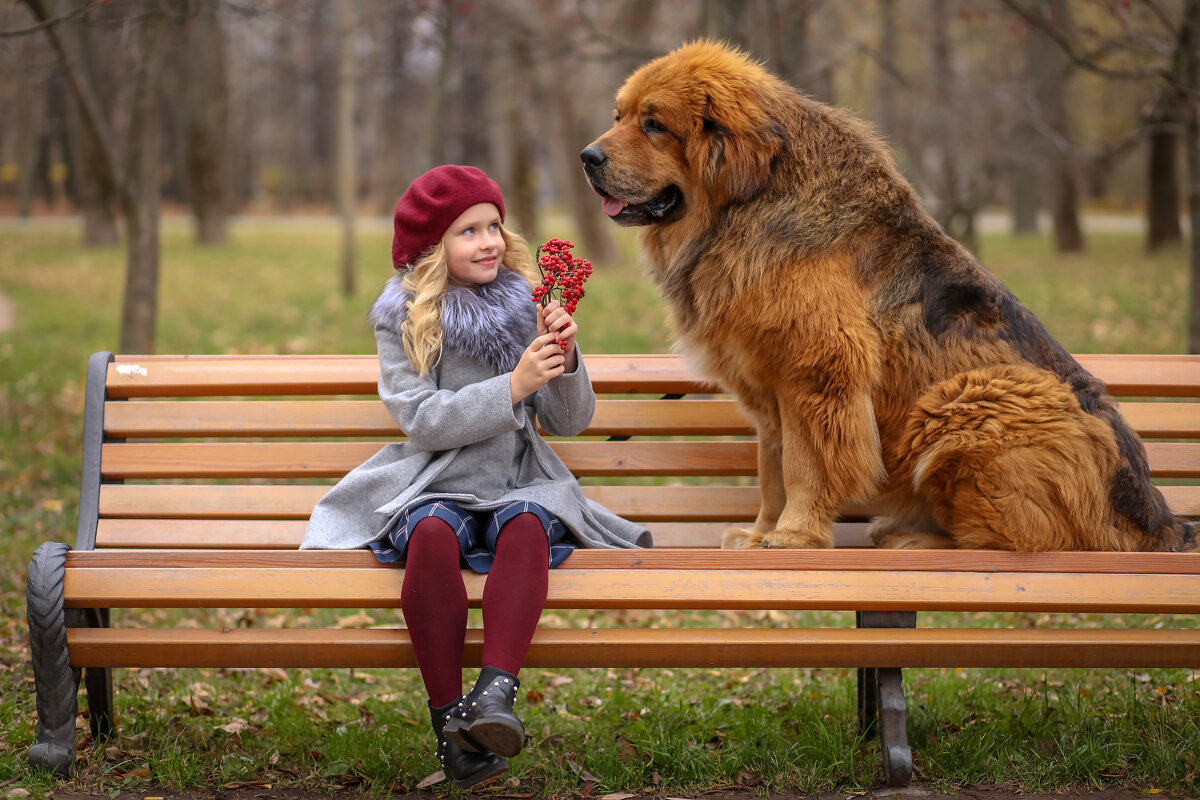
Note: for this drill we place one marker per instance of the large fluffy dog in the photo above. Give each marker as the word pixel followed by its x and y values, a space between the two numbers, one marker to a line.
pixel 876 357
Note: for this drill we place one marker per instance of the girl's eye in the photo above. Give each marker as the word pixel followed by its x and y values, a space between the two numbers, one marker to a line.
pixel 495 226
pixel 468 231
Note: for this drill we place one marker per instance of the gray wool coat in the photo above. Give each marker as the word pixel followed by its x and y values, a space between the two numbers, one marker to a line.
pixel 467 442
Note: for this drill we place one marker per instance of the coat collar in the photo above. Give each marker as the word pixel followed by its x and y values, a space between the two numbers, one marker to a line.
pixel 489 323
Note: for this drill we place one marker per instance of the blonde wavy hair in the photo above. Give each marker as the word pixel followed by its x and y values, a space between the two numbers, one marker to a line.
pixel 426 282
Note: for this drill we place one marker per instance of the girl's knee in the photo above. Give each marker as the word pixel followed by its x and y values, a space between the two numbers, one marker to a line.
pixel 524 528
pixel 433 538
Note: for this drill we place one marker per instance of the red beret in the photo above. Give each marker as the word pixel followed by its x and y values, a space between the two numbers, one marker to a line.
pixel 432 202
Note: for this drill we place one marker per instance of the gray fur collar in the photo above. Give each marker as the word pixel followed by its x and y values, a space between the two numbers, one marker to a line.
pixel 489 325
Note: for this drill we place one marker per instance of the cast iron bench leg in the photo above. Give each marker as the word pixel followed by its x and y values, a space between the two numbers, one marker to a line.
pixel 881 706
pixel 98 681
pixel 56 683
pixel 893 729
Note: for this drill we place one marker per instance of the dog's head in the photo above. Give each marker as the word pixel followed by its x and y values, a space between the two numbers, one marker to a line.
pixel 692 127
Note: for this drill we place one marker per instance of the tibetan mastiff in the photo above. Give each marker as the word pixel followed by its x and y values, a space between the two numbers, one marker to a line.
pixel 877 359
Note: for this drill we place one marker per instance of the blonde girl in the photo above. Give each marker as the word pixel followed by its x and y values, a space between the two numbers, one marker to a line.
pixel 469 368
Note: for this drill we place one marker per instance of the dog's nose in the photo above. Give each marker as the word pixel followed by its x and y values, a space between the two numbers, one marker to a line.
pixel 592 156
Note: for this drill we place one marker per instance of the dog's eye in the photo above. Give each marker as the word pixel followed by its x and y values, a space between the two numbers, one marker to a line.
pixel 651 125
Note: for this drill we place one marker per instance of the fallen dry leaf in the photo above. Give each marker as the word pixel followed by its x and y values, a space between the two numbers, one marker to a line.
pixel 235 726
pixel 431 779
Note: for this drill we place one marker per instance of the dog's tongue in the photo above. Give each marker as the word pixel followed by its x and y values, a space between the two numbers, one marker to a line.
pixel 612 206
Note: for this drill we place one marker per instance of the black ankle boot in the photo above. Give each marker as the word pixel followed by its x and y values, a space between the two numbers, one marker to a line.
pixel 486 721
pixel 462 768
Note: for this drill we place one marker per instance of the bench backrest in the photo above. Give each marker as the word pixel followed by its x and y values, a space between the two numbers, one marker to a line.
pixel 232 452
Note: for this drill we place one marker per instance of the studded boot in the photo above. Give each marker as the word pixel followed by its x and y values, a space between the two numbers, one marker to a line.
pixel 486 721
pixel 462 768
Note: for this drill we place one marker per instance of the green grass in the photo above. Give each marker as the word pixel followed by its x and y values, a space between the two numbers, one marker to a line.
pixel 274 289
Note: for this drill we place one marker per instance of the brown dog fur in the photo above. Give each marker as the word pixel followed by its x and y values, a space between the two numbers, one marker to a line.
pixel 878 360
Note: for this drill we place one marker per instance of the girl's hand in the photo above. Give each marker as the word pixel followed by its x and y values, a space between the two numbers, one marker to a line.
pixel 555 318
pixel 541 362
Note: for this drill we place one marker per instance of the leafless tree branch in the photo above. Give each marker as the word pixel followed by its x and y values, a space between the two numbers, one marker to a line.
pixel 1086 61
pixel 47 23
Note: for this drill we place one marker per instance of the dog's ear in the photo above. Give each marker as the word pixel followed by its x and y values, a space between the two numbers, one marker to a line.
pixel 740 147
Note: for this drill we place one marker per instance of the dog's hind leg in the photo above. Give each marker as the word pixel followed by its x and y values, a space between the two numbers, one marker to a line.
pixel 1008 460
pixel 902 534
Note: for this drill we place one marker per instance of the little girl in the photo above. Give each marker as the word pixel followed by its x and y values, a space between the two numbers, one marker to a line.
pixel 468 368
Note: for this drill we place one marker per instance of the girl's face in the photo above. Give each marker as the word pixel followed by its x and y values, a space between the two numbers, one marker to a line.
pixel 474 246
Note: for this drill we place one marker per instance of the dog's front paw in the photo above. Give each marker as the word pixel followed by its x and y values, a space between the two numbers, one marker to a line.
pixel 739 539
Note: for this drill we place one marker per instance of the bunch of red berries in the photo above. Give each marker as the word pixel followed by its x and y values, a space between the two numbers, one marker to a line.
pixel 563 276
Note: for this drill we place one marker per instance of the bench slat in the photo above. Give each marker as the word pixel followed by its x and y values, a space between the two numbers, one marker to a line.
pixel 184 418
pixel 335 459
pixel 206 376
pixel 638 503
pixel 373 587
pixel 287 534
pixel 674 647
pixel 866 559
pixel 585 459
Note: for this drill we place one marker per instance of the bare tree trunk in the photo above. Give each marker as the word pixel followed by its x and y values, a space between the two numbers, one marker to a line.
pixel 520 187
pixel 97 196
pixel 316 159
pixel 438 127
pixel 1025 196
pixel 1189 46
pixel 98 200
pixel 1068 235
pixel 394 162
pixel 206 123
pixel 1162 174
pixel 953 212
pixel 143 198
pixel 284 121
pixel 1030 151
pixel 27 126
pixel 347 179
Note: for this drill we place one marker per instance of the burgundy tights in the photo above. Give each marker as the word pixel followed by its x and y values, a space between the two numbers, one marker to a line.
pixel 434 601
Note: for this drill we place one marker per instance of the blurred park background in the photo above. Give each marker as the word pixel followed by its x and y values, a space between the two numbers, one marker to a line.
pixel 217 176
pixel 1027 115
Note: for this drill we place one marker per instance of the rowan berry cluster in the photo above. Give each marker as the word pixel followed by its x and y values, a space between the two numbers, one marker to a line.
pixel 563 276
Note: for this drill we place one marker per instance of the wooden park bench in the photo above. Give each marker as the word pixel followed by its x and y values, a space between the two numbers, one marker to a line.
pixel 199 473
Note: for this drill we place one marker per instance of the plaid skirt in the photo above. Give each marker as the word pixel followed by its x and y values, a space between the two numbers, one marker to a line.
pixel 477 532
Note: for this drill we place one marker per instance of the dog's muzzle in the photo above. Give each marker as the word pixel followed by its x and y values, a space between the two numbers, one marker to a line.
pixel 665 206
